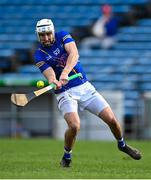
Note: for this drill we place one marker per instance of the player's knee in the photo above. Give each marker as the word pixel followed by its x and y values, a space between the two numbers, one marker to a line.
pixel 75 127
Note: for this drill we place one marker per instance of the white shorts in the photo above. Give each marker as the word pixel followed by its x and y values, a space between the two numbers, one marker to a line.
pixel 83 97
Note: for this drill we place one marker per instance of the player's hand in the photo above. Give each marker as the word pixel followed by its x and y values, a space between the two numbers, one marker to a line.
pixel 64 78
pixel 58 84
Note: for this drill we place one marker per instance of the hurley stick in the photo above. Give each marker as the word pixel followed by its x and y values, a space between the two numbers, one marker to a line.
pixel 23 99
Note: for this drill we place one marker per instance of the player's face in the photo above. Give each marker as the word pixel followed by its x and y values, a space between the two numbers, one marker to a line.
pixel 46 38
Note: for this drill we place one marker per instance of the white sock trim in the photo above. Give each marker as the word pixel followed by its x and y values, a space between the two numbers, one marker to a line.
pixel 68 152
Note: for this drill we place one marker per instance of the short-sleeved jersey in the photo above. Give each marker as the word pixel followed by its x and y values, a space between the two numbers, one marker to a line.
pixel 55 57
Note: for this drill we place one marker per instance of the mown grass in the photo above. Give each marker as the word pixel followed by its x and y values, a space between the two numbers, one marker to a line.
pixel 39 158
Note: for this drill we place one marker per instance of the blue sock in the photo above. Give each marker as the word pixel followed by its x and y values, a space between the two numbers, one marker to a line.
pixel 67 153
pixel 121 142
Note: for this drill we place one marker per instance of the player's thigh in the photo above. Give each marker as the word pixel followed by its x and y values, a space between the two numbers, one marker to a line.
pixel 96 104
pixel 107 116
pixel 66 103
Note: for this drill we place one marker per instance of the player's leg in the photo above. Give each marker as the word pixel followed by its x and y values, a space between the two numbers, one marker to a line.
pixel 108 117
pixel 73 122
pixel 98 106
pixel 68 107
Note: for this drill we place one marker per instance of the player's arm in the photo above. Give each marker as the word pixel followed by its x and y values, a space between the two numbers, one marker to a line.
pixel 46 70
pixel 51 77
pixel 72 59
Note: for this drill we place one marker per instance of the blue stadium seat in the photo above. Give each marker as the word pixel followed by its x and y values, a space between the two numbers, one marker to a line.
pixel 47 2
pixel 133 45
pixel 144 60
pixel 144 22
pixel 145 86
pixel 145 77
pixel 137 69
pixel 134 95
pixel 126 37
pixel 135 29
pixel 109 53
pixel 28 69
pixel 16 45
pixel 6 53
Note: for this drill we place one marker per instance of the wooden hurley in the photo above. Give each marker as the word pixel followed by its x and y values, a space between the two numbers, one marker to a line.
pixel 23 99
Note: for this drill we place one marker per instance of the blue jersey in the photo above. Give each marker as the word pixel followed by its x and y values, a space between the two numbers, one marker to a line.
pixel 55 57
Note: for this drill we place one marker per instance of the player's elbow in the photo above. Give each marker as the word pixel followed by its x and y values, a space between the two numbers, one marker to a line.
pixel 76 56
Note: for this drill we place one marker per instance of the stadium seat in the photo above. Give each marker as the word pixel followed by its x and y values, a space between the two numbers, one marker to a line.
pixel 28 69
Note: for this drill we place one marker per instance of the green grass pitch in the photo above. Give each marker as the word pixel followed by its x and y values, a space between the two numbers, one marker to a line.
pixel 39 158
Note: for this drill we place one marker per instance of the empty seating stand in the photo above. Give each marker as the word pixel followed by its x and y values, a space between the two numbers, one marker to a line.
pixel 125 70
pixel 26 13
pixel 121 68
